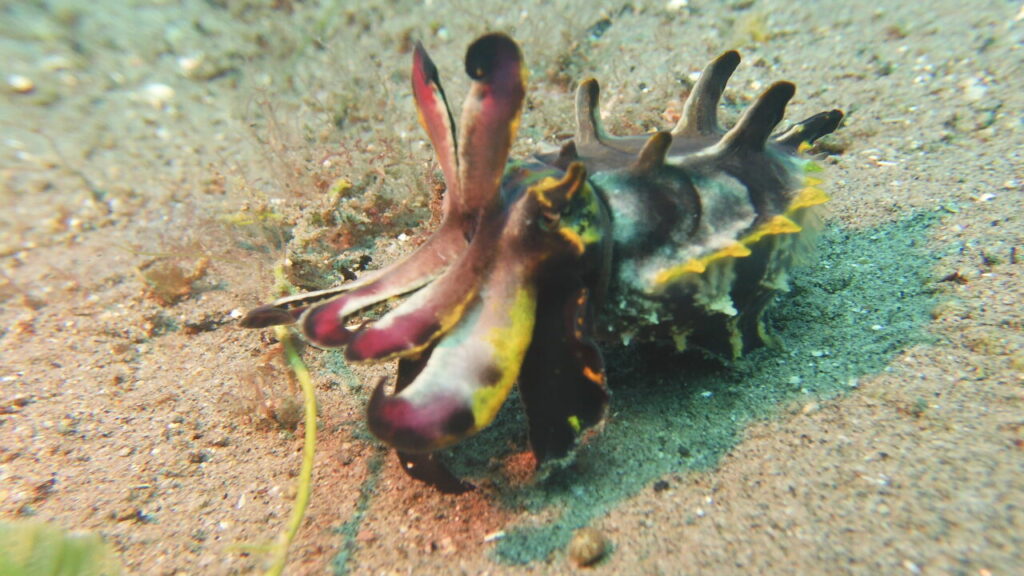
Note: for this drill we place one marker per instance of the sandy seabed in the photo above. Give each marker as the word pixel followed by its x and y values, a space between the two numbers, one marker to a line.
pixel 159 158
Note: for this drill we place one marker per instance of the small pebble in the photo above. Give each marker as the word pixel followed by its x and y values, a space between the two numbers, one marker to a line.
pixel 588 545
pixel 21 84
pixel 189 64
pixel 156 95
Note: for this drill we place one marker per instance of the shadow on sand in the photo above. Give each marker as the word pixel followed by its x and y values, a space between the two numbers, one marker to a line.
pixel 865 298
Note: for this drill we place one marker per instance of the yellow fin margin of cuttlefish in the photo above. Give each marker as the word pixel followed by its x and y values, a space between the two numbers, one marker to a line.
pixel 779 224
pixel 699 265
pixel 808 196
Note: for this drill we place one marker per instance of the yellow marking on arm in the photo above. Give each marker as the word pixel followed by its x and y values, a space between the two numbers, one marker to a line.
pixel 573 238
pixel 539 190
pixel 574 421
pixel 593 376
pixel 574 176
pixel 509 342
pixel 445 323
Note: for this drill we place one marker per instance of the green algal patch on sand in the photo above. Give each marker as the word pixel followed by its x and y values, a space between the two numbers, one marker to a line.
pixel 34 548
pixel 864 299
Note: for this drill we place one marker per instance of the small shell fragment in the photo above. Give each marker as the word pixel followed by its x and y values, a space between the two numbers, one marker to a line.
pixel 493 536
pixel 156 95
pixel 21 84
pixel 587 547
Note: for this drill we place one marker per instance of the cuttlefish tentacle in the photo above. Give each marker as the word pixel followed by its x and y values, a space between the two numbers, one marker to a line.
pixel 490 117
pixel 435 117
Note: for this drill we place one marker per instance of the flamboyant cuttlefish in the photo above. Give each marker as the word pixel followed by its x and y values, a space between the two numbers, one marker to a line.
pixel 682 235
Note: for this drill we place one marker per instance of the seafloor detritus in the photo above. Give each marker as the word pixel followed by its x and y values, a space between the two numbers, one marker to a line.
pixel 682 235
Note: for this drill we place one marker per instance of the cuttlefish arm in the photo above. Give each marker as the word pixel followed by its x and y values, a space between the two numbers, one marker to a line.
pixel 488 126
pixel 425 467
pixel 490 120
pixel 473 366
pixel 322 315
pixel 429 313
pixel 470 372
pixel 562 382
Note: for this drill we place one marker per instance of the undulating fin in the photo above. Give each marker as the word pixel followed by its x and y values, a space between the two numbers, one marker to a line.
pixel 436 118
pixel 652 155
pixel 809 130
pixel 752 130
pixel 562 383
pixel 700 113
pixel 490 119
